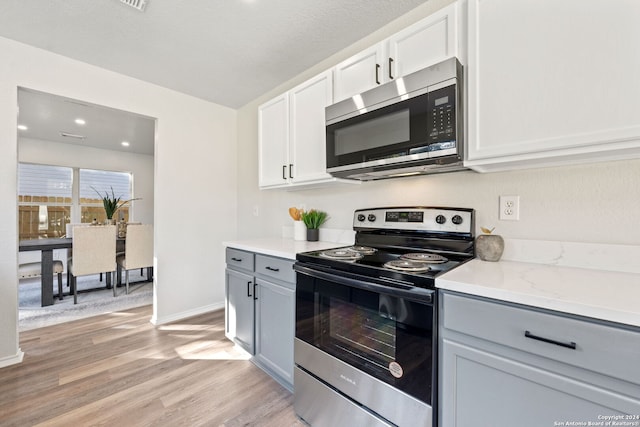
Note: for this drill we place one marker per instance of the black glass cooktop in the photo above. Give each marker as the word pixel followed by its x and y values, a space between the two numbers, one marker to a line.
pixel 373 265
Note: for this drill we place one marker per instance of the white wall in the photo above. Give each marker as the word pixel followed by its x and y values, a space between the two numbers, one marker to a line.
pixel 195 170
pixel 598 203
pixel 58 154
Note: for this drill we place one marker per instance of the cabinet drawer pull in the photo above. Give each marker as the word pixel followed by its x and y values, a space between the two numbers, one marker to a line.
pixel 255 296
pixel 249 288
pixel 390 68
pixel 570 345
pixel 272 269
pixel 236 259
pixel 378 73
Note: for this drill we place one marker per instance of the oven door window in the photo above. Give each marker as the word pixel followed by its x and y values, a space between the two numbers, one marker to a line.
pixel 387 337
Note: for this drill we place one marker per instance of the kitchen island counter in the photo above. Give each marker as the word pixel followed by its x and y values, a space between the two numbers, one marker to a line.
pixel 606 295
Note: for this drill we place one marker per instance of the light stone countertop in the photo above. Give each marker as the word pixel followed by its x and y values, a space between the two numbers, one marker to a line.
pixel 607 295
pixel 280 247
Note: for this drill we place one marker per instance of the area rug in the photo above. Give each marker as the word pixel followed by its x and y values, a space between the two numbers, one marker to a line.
pixel 32 315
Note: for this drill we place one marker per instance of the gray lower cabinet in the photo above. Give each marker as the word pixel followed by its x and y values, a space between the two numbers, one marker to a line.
pixel 275 329
pixel 260 310
pixel 504 365
pixel 239 298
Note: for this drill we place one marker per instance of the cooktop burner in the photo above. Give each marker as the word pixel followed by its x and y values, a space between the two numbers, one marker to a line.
pixel 364 250
pixel 424 258
pixel 342 254
pixel 405 265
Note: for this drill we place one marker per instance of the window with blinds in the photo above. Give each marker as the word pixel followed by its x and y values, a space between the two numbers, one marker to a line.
pixel 94 185
pixel 49 198
pixel 44 200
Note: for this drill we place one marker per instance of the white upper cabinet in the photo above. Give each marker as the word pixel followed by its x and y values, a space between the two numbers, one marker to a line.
pixel 292 136
pixel 424 43
pixel 273 141
pixel 552 82
pixel 307 128
pixel 359 73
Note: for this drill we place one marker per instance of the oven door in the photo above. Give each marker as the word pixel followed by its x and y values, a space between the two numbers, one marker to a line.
pixel 375 343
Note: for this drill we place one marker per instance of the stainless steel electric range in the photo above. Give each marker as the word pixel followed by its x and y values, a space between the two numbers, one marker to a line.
pixel 366 320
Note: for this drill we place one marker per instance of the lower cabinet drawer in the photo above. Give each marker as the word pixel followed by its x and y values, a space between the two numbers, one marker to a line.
pixel 278 268
pixel 240 259
pixel 605 349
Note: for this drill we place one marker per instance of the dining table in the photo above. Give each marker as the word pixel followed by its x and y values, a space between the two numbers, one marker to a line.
pixel 46 246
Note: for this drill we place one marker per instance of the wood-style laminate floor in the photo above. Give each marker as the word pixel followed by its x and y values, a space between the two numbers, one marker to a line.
pixel 120 370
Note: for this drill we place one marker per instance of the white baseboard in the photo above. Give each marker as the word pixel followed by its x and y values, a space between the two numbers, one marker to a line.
pixel 185 314
pixel 12 360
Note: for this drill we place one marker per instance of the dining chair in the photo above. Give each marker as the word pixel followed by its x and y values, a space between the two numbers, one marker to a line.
pixel 34 269
pixel 138 250
pixel 94 252
pixel 69 234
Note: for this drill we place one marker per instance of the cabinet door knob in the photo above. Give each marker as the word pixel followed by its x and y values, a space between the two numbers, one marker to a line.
pixel 570 345
pixel 378 73
pixel 390 68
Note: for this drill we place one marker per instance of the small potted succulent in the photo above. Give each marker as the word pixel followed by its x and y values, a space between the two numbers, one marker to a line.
pixel 313 219
pixel 489 247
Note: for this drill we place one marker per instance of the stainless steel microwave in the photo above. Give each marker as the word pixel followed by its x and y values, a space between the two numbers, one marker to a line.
pixel 411 125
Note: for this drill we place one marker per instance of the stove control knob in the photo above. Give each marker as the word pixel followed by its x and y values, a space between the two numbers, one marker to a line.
pixel 360 217
pixel 457 219
pixel 440 219
pixel 371 217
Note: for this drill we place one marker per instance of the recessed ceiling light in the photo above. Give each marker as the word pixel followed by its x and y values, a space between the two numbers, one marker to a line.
pixel 80 121
pixel 124 143
pixel 22 127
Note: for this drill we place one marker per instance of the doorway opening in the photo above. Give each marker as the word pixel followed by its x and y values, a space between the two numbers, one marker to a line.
pixel 96 148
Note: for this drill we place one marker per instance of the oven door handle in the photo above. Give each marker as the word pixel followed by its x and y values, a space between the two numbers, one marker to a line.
pixel 425 296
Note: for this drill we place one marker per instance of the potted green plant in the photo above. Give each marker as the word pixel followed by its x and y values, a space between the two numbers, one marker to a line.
pixel 313 219
pixel 489 247
pixel 111 204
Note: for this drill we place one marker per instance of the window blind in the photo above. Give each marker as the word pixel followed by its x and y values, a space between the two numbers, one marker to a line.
pixel 103 181
pixel 44 180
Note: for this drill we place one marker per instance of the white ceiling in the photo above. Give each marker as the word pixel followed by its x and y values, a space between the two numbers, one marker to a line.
pixel 48 116
pixel 225 51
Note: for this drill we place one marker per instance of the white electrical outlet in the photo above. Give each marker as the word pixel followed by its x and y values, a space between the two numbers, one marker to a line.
pixel 256 211
pixel 510 208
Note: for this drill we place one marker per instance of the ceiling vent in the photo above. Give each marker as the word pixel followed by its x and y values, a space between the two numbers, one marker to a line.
pixel 136 4
pixel 71 135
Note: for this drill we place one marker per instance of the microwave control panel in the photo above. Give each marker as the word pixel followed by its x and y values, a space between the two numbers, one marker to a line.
pixel 441 117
